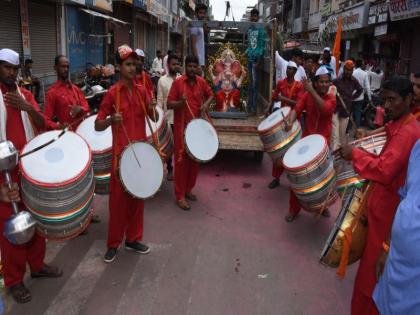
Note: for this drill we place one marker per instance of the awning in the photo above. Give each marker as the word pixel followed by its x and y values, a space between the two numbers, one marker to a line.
pixel 106 17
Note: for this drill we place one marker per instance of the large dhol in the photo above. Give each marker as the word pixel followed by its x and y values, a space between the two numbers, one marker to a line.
pixel 165 136
pixel 201 140
pixel 100 143
pixel 275 139
pixel 58 184
pixel 352 221
pixel 310 170
pixel 346 176
pixel 141 170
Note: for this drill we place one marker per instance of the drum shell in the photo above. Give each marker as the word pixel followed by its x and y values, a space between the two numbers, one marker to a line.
pixel 70 202
pixel 167 144
pixel 333 249
pixel 283 143
pixel 102 165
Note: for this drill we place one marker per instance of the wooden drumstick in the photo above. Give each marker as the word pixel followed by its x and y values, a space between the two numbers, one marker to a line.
pixel 285 120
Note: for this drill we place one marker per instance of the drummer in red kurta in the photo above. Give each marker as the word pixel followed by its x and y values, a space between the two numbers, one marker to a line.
pixel 319 105
pixel 387 172
pixel 189 96
pixel 288 91
pixel 142 77
pixel 20 120
pixel 125 212
pixel 65 103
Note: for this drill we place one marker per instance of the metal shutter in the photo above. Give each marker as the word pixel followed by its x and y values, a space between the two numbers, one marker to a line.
pixel 43 34
pixel 10 34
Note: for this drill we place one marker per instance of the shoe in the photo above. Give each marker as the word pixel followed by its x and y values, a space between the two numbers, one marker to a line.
pixel 48 272
pixel 326 213
pixel 20 293
pixel 137 247
pixel 170 176
pixel 290 217
pixel 191 197
pixel 96 219
pixel 110 255
pixel 274 183
pixel 183 204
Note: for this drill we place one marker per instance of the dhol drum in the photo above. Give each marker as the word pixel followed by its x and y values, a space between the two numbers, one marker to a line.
pixel 141 170
pixel 100 143
pixel 58 184
pixel 352 220
pixel 275 139
pixel 164 134
pixel 201 140
pixel 309 167
pixel 346 176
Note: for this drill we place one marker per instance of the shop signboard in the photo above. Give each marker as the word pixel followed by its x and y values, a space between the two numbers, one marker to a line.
pixel 404 9
pixel 353 18
pixel 84 39
pixel 378 13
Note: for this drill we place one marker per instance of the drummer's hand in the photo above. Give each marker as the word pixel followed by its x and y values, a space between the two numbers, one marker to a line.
pixel 117 119
pixel 75 110
pixel 9 195
pixel 380 264
pixel 152 105
pixel 361 133
pixel 288 126
pixel 13 99
pixel 204 108
pixel 346 152
pixel 183 100
pixel 62 126
pixel 307 84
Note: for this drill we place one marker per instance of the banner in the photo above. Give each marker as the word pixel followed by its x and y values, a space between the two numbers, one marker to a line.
pixel 404 9
pixel 103 4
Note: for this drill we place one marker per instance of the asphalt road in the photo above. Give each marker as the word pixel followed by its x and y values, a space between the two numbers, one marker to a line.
pixel 232 254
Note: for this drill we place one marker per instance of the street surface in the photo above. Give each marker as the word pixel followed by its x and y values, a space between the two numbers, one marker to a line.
pixel 232 254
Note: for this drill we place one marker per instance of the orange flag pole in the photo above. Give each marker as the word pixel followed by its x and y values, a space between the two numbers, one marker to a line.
pixel 337 44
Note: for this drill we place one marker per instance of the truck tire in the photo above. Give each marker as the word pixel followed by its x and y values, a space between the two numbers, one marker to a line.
pixel 258 156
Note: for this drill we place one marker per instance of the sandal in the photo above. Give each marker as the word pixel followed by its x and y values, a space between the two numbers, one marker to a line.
pixel 290 217
pixel 20 293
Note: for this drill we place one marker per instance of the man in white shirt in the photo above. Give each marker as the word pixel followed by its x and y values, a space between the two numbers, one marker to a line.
pixel 281 65
pixel 157 66
pixel 164 85
pixel 363 79
pixel 376 77
pixel 326 55
pixel 165 62
pixel 197 46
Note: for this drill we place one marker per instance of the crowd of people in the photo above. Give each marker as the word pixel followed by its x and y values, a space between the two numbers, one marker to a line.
pixel 324 97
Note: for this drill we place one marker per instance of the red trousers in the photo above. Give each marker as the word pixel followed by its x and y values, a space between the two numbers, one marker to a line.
pixel 15 257
pixel 294 205
pixel 185 176
pixel 277 171
pixel 362 304
pixel 125 215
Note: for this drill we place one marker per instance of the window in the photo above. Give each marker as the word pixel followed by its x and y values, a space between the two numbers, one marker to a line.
pixel 298 8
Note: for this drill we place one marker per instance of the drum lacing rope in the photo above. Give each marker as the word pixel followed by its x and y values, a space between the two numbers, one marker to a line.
pixel 348 233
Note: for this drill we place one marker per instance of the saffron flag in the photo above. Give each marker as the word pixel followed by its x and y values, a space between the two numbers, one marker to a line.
pixel 337 44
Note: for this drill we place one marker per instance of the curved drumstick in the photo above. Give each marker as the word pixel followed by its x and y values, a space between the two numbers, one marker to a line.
pixel 285 120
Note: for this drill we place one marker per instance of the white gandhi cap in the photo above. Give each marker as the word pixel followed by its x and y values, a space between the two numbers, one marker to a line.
pixel 140 52
pixel 10 56
pixel 321 71
pixel 292 64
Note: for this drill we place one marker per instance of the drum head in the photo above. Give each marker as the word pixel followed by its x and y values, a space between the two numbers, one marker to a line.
pixel 274 118
pixel 98 141
pixel 201 139
pixel 155 125
pixel 142 181
pixel 304 151
pixel 59 163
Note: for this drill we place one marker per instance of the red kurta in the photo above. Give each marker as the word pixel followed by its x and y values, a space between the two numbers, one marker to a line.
pixel 144 79
pixel 316 122
pixel 15 258
pixel 186 170
pixel 415 110
pixel 293 91
pixel 387 172
pixel 125 212
pixel 60 97
pixel 221 98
